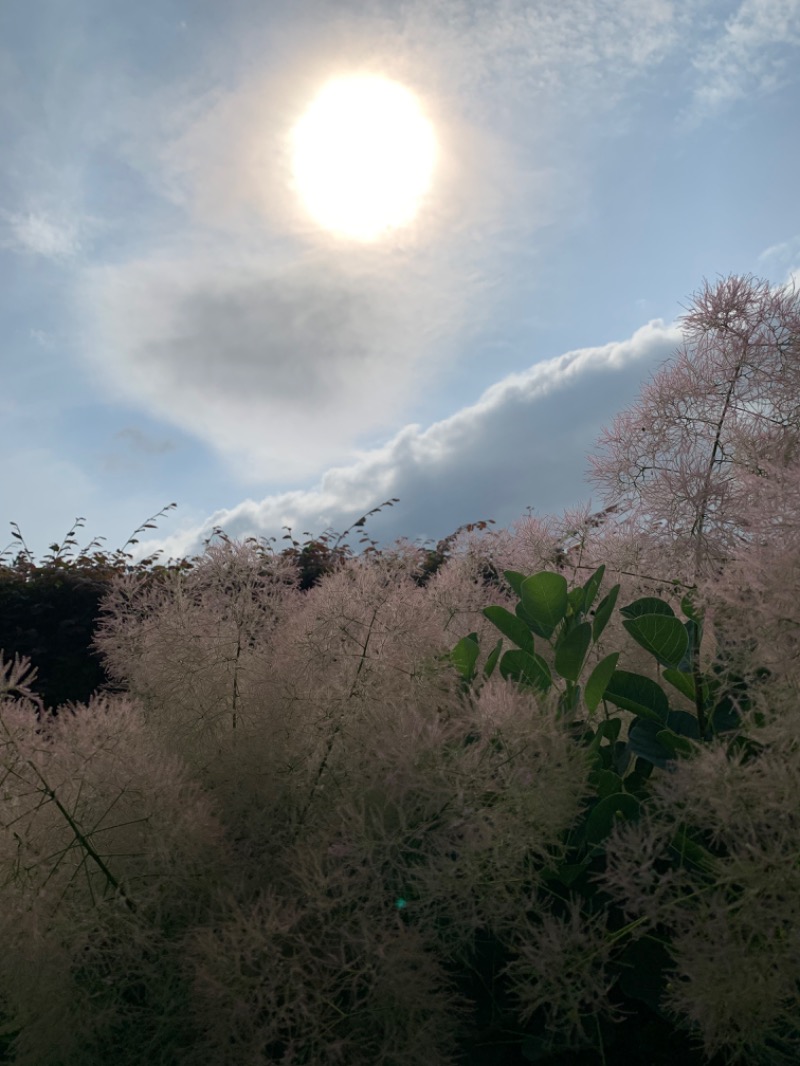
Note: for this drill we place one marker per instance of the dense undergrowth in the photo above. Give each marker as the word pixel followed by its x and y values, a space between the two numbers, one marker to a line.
pixel 325 827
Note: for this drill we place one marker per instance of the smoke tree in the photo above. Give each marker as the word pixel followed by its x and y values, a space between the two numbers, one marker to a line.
pixel 694 459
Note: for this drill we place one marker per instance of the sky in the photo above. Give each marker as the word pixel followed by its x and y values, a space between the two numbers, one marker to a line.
pixel 177 325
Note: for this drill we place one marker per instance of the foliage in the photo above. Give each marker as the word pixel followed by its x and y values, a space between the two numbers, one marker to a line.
pixel 49 611
pixel 436 841
pixel 658 736
pixel 691 456
pixel 307 829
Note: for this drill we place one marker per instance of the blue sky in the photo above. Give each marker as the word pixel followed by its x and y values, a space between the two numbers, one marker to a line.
pixel 176 327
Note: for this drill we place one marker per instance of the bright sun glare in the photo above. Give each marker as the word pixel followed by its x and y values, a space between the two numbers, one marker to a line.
pixel 363 156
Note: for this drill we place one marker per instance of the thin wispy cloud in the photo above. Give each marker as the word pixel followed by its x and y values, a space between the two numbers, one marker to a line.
pixel 752 53
pixel 39 234
pixel 553 57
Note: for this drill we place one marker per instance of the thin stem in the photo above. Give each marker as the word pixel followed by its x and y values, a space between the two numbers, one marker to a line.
pixel 336 731
pixel 235 698
pixel 643 577
pixel 699 521
pixel 82 840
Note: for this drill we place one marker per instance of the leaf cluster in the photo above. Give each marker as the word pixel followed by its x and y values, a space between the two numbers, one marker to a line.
pixel 657 737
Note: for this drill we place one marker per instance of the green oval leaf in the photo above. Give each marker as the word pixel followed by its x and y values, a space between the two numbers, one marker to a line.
pixel 637 784
pixel 685 848
pixel 642 742
pixel 610 728
pixel 676 744
pixel 601 821
pixel 544 598
pixel 634 692
pixel 621 756
pixel 694 632
pixel 530 622
pixel 527 669
pixel 570 872
pixel 725 717
pixel 566 873
pixel 569 700
pixel 592 587
pixel 598 679
pixel 647 605
pixel 571 650
pixel 511 626
pixel 689 609
pixel 684 724
pixel 606 782
pixel 515 579
pixel 683 682
pixel 603 612
pixel 575 603
pixel 491 662
pixel 663 636
pixel 464 655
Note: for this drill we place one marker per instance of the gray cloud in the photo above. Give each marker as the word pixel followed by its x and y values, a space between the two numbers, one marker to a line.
pixel 279 369
pixel 142 442
pixel 522 444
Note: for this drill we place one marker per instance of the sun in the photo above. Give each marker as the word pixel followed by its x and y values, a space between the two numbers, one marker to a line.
pixel 363 157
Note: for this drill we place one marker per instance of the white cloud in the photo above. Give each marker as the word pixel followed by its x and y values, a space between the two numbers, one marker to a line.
pixel 524 442
pixel 42 337
pixel 782 261
pixel 38 233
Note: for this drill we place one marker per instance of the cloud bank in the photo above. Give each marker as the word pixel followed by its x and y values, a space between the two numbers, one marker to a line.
pixel 519 445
